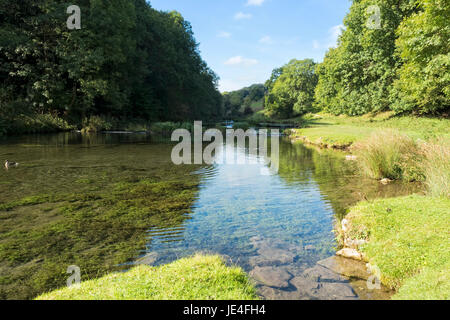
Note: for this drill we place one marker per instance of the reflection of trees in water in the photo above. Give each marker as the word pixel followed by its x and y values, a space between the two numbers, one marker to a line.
pixel 339 180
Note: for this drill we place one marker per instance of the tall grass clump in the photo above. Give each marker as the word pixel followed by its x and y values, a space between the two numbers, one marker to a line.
pixel 390 154
pixel 436 167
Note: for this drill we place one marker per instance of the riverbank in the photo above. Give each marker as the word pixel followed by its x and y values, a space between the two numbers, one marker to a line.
pixel 341 132
pixel 31 124
pixel 406 240
pixel 196 278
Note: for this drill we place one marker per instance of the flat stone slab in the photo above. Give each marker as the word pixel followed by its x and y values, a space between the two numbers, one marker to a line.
pixel 346 267
pixel 321 274
pixel 271 276
pixel 318 290
pixel 269 293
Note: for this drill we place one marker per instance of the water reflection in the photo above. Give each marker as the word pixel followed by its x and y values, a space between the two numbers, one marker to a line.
pixel 271 225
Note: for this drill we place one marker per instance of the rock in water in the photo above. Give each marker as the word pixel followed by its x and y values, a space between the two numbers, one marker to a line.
pixel 349 253
pixel 272 277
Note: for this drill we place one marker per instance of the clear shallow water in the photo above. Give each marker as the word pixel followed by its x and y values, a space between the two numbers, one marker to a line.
pixel 274 226
pixel 236 203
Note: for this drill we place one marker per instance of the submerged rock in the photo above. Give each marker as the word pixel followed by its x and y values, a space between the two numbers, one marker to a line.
pixel 271 252
pixel 319 273
pixel 148 259
pixel 323 284
pixel 271 276
pixel 270 293
pixel 346 267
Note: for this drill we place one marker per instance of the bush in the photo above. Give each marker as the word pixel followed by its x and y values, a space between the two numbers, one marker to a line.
pixel 390 154
pixel 97 123
pixel 37 123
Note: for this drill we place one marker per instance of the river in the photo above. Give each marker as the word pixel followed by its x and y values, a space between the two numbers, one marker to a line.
pixel 108 201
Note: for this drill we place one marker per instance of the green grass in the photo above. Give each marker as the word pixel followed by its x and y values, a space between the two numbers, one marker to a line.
pixel 408 240
pixel 390 154
pixel 342 131
pixel 436 167
pixel 196 278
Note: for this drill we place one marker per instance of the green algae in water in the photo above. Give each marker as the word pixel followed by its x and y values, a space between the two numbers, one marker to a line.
pixel 49 220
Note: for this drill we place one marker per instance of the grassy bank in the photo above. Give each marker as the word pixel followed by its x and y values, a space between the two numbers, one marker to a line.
pixel 407 239
pixel 343 131
pixel 196 278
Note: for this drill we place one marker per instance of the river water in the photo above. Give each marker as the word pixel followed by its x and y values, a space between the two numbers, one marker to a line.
pixel 278 227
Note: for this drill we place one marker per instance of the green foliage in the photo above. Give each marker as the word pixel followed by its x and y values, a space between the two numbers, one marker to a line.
pixel 356 77
pixel 291 89
pixel 128 61
pixel 196 278
pixel 95 124
pixel 244 102
pixel 38 123
pixel 423 43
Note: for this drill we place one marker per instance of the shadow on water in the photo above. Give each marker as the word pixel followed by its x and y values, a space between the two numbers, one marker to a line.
pixel 106 201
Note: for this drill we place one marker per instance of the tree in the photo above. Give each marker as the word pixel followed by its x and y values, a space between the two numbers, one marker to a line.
pixel 244 101
pixel 423 44
pixel 128 61
pixel 292 89
pixel 357 77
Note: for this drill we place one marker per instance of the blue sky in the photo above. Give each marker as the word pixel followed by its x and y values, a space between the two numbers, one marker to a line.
pixel 244 40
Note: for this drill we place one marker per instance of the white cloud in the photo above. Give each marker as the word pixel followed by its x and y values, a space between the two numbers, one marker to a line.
pixel 266 40
pixel 254 2
pixel 240 61
pixel 331 41
pixel 334 33
pixel 224 34
pixel 241 16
